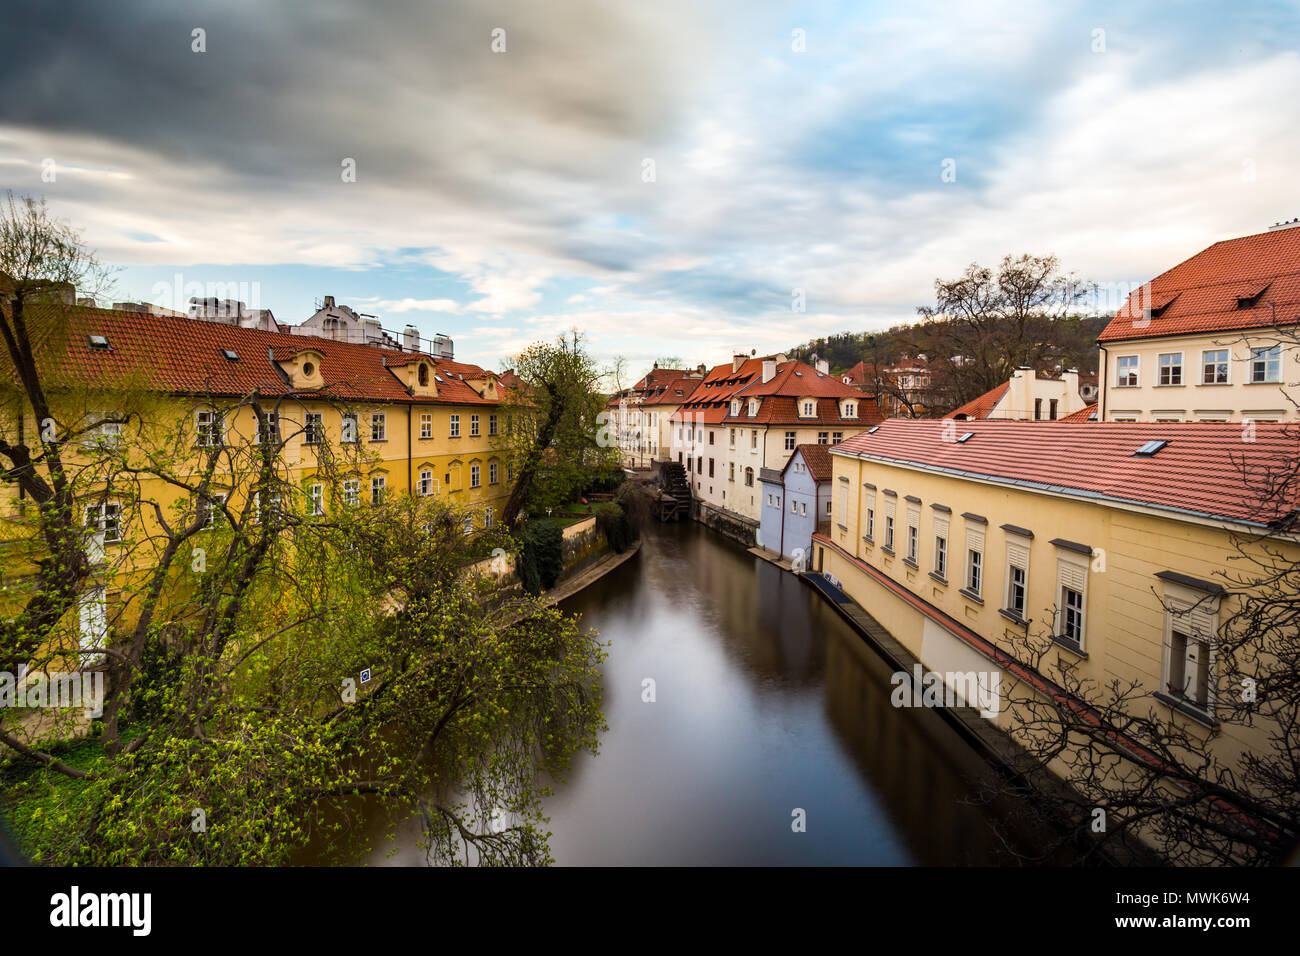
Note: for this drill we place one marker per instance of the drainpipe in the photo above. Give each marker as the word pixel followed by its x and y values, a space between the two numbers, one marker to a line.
pixel 781 543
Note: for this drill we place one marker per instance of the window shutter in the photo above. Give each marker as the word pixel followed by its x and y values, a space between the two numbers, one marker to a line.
pixel 1070 575
pixel 941 526
pixel 889 506
pixel 1018 556
pixel 975 539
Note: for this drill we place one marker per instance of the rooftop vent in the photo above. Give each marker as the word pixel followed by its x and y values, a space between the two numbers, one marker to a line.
pixel 98 342
pixel 1284 225
pixel 230 354
pixel 1150 448
pixel 873 429
pixel 966 437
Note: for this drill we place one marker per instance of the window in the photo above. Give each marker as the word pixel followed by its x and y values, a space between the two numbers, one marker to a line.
pixel 850 409
pixel 809 409
pixel 1170 368
pixel 735 406
pixel 1051 409
pixel 803 507
pixel 487 517
pixel 793 507
pixel 941 545
pixel 1266 364
pixel 913 531
pixel 733 438
pixel 425 485
pixel 1017 576
pixel 377 486
pixel 710 436
pixel 106 520
pixel 105 434
pixel 974 570
pixel 352 492
pixel 473 426
pixel 753 440
pixel 1126 371
pixel 313 429
pixel 475 473
pixel 351 433
pixel 1038 409
pixel 422 374
pixel 753 407
pixel 731 471
pixel 975 561
pixel 1214 367
pixel 870 533
pixel 469 524
pixel 378 427
pixel 710 465
pixel 828 507
pixel 844 504
pixel 492 425
pixel 209 509
pixel 1188 665
pixel 789 441
pixel 837 437
pixel 749 477
pixel 493 472
pixel 268 431
pixel 1071 586
pixel 92 623
pixel 823 438
pixel 454 426
pixel 316 496
pixel 271 508
pixel 426 425
pixel 208 428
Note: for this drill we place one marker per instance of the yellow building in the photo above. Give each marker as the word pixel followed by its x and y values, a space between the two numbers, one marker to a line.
pixel 1209 339
pixel 392 422
pixel 963 539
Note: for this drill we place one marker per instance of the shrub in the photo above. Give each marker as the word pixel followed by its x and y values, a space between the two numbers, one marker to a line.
pixel 542 558
pixel 612 520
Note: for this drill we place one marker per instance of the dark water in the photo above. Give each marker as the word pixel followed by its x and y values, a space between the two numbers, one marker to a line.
pixel 766 701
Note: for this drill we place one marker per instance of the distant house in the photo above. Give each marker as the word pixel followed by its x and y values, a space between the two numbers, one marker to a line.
pixel 794 500
pixel 1027 397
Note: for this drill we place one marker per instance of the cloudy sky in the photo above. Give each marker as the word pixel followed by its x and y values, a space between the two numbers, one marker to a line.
pixel 662 175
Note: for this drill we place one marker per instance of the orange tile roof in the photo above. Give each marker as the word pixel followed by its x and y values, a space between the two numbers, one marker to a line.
pixel 818 459
pixel 185 356
pixel 1201 293
pixel 1203 471
pixel 1082 415
pixel 981 407
pixel 708 403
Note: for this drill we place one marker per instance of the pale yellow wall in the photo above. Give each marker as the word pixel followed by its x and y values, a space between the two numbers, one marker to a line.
pixel 1125 625
pixel 1194 401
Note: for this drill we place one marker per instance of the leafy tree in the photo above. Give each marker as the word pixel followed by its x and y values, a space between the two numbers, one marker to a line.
pixel 555 440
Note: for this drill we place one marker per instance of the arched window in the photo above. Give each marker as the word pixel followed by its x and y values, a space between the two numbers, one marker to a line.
pixel 333 327
pixel 749 477
pixel 424 374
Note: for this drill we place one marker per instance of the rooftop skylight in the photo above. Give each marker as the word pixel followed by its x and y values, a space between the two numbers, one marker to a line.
pixel 1150 448
pixel 98 342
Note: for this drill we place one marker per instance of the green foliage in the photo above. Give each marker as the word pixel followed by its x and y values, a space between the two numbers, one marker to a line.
pixel 541 560
pixel 612 520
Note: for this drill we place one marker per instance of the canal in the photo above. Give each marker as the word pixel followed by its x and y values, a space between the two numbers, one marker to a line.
pixel 765 702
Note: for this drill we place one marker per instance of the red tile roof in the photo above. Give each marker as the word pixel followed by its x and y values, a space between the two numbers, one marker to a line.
pixel 779 399
pixel 1082 415
pixel 1206 469
pixel 978 408
pixel 1200 294
pixel 182 355
pixel 708 404
pixel 818 459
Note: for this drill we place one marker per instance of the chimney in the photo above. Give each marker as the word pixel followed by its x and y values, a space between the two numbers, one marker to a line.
pixel 737 361
pixel 769 370
pixel 701 369
pixel 823 366
pixel 329 302
pixel 411 339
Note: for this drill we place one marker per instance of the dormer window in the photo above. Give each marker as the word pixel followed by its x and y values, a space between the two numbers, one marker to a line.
pixel 807 408
pixel 753 407
pixel 850 410
pixel 735 407
pixel 423 374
